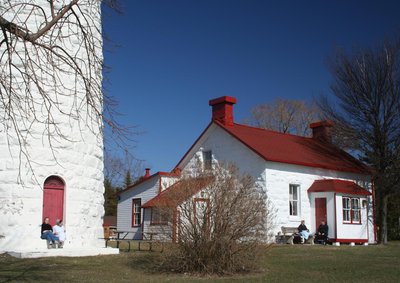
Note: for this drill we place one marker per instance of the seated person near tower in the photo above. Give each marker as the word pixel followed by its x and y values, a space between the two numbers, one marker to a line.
pixel 303 231
pixel 47 234
pixel 59 231
pixel 322 233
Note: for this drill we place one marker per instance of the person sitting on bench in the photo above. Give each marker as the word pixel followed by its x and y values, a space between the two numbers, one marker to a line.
pixel 59 231
pixel 47 234
pixel 303 231
pixel 322 233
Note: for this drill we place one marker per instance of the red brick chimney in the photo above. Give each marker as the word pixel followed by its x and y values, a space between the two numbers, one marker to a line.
pixel 222 109
pixel 322 130
pixel 147 175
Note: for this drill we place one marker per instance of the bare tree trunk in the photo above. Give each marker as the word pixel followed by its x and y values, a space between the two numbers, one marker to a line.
pixel 384 232
pixel 382 218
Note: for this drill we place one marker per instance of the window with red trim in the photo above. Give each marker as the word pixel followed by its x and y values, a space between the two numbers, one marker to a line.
pixel 159 216
pixel 136 212
pixel 351 210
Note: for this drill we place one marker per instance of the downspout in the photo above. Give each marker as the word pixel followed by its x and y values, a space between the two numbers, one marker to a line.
pixel 334 201
pixel 143 222
pixel 374 209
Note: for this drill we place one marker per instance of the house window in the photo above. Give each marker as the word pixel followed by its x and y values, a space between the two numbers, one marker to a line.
pixel 294 191
pixel 158 217
pixel 346 210
pixel 136 212
pixel 207 160
pixel 351 210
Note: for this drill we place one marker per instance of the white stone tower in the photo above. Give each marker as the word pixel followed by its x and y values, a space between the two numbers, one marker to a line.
pixel 51 157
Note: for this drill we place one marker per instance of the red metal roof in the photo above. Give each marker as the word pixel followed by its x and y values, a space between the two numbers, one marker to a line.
pixel 286 148
pixel 337 186
pixel 178 192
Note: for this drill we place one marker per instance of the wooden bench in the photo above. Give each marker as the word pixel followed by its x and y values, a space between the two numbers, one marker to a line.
pixel 289 234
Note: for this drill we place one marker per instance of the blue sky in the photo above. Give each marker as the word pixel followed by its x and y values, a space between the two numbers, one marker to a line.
pixel 174 56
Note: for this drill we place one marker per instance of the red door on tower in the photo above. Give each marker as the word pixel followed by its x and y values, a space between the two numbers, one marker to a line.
pixel 320 211
pixel 53 199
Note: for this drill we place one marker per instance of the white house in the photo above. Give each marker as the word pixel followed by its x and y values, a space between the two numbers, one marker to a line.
pixel 132 215
pixel 59 178
pixel 304 177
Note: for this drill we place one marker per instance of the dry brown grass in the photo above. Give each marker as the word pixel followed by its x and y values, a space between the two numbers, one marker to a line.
pixel 281 263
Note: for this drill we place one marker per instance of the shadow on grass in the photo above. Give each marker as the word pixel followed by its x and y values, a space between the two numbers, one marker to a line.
pixel 145 261
pixel 38 270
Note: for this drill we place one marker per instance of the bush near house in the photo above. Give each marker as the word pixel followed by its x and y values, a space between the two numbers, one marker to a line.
pixel 223 218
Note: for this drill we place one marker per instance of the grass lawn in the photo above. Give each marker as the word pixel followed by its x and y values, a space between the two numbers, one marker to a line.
pixel 282 263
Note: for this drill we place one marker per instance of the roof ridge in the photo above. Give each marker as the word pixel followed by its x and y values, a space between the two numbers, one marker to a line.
pixel 268 130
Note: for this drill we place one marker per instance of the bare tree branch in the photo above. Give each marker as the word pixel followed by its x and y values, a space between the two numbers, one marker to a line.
pixel 51 71
pixel 285 116
pixel 367 91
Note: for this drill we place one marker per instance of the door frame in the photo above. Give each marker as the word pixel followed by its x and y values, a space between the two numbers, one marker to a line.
pixel 318 219
pixel 54 182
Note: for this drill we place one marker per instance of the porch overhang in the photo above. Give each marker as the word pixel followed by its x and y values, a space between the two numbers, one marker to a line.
pixel 337 186
pixel 178 192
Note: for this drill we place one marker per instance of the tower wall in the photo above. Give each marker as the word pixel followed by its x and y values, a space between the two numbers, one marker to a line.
pixel 71 148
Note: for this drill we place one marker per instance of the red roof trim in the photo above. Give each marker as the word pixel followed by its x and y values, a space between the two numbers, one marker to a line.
pixel 348 240
pixel 169 174
pixel 167 197
pixel 326 123
pixel 338 186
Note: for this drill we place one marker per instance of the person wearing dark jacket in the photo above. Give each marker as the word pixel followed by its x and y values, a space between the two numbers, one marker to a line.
pixel 303 231
pixel 47 234
pixel 322 233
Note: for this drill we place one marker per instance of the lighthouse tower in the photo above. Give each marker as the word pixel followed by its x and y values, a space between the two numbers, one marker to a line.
pixel 51 149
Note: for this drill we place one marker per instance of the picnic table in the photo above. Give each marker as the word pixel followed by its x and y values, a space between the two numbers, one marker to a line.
pixel 128 237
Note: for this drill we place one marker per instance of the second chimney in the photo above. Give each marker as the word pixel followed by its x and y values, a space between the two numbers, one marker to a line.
pixel 222 109
pixel 322 130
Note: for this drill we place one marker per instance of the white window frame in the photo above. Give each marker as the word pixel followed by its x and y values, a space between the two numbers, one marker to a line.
pixel 351 210
pixel 294 201
pixel 355 211
pixel 346 209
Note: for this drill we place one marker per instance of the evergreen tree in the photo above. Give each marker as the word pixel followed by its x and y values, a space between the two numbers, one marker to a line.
pixel 110 198
pixel 128 178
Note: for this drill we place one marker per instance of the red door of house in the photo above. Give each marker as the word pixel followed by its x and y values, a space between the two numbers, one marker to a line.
pixel 53 199
pixel 320 211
